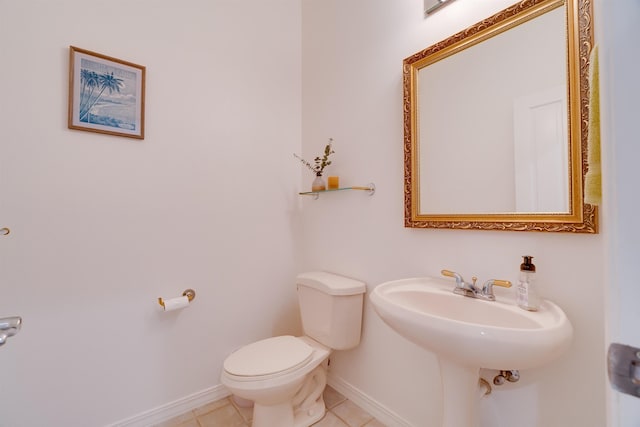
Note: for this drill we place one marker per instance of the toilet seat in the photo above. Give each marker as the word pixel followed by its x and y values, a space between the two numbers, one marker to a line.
pixel 268 358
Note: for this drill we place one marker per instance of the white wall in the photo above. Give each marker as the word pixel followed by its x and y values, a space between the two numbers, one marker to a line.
pixel 352 91
pixel 102 225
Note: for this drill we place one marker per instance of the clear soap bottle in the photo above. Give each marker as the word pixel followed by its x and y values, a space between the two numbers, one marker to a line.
pixel 527 292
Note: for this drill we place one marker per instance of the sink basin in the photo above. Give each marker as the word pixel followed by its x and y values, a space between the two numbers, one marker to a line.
pixel 467 334
pixel 488 334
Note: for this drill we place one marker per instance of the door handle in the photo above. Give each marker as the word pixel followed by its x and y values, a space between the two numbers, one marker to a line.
pixel 4 231
pixel 9 326
pixel 623 363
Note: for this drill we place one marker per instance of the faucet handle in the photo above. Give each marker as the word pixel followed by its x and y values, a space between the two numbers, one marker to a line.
pixel 459 280
pixel 503 283
pixel 449 273
pixel 487 288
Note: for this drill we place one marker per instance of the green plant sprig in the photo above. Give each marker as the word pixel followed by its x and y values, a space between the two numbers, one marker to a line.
pixel 320 162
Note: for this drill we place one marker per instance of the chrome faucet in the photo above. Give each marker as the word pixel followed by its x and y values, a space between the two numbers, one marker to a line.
pixel 471 290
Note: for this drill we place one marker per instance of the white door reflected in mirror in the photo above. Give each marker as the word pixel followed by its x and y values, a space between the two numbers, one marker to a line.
pixel 541 152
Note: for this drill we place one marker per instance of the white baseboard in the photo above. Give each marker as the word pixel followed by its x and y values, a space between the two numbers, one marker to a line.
pixel 378 411
pixel 211 394
pixel 175 408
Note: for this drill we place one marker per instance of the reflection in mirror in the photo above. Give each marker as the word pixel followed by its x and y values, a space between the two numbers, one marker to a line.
pixel 497 84
pixel 500 144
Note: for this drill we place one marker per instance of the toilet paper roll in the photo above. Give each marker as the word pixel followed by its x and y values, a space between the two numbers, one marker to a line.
pixel 176 303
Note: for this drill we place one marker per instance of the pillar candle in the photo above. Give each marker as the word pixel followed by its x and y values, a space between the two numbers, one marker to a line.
pixel 334 182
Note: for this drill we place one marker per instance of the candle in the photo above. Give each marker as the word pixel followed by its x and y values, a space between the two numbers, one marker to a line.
pixel 334 182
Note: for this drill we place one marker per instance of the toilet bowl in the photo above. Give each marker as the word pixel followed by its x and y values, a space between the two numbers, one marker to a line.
pixel 285 376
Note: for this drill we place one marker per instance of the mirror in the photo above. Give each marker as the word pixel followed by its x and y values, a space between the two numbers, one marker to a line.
pixel 502 145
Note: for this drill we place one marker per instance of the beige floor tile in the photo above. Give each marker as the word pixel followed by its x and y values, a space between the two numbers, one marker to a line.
pixel 177 421
pixel 332 397
pixel 351 414
pixel 226 416
pixel 330 420
pixel 374 423
pixel 245 412
pixel 212 406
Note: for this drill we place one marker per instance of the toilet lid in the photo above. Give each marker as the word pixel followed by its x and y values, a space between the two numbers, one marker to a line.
pixel 268 357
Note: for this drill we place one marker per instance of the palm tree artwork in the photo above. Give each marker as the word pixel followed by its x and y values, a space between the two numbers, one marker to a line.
pixel 106 95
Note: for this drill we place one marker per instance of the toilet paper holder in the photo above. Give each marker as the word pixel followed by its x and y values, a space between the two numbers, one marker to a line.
pixel 189 293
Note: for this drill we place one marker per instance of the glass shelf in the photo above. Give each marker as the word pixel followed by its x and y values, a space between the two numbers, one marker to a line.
pixel 371 188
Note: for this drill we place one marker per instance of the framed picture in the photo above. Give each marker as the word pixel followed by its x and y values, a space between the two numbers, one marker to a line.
pixel 106 95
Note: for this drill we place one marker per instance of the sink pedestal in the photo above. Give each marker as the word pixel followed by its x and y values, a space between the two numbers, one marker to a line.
pixel 459 394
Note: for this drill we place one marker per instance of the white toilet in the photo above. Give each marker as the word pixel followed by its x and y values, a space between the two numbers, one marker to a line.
pixel 285 376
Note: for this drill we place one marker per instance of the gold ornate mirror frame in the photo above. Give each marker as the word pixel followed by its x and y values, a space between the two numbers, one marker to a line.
pixel 582 217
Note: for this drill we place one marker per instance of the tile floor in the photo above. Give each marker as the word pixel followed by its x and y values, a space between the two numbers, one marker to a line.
pixel 341 412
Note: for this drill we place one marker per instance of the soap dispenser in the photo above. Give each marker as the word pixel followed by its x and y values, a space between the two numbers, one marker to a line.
pixel 526 291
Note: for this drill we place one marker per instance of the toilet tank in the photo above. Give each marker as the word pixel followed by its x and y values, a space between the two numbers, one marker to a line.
pixel 331 308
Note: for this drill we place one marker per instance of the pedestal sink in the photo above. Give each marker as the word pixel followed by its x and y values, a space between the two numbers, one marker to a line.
pixel 468 334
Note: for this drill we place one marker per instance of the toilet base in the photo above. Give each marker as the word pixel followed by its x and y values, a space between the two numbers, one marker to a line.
pixel 304 409
pixel 308 403
pixel 283 415
pixel 311 415
pixel 272 415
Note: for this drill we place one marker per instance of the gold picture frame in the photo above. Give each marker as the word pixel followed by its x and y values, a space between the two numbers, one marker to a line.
pixel 106 95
